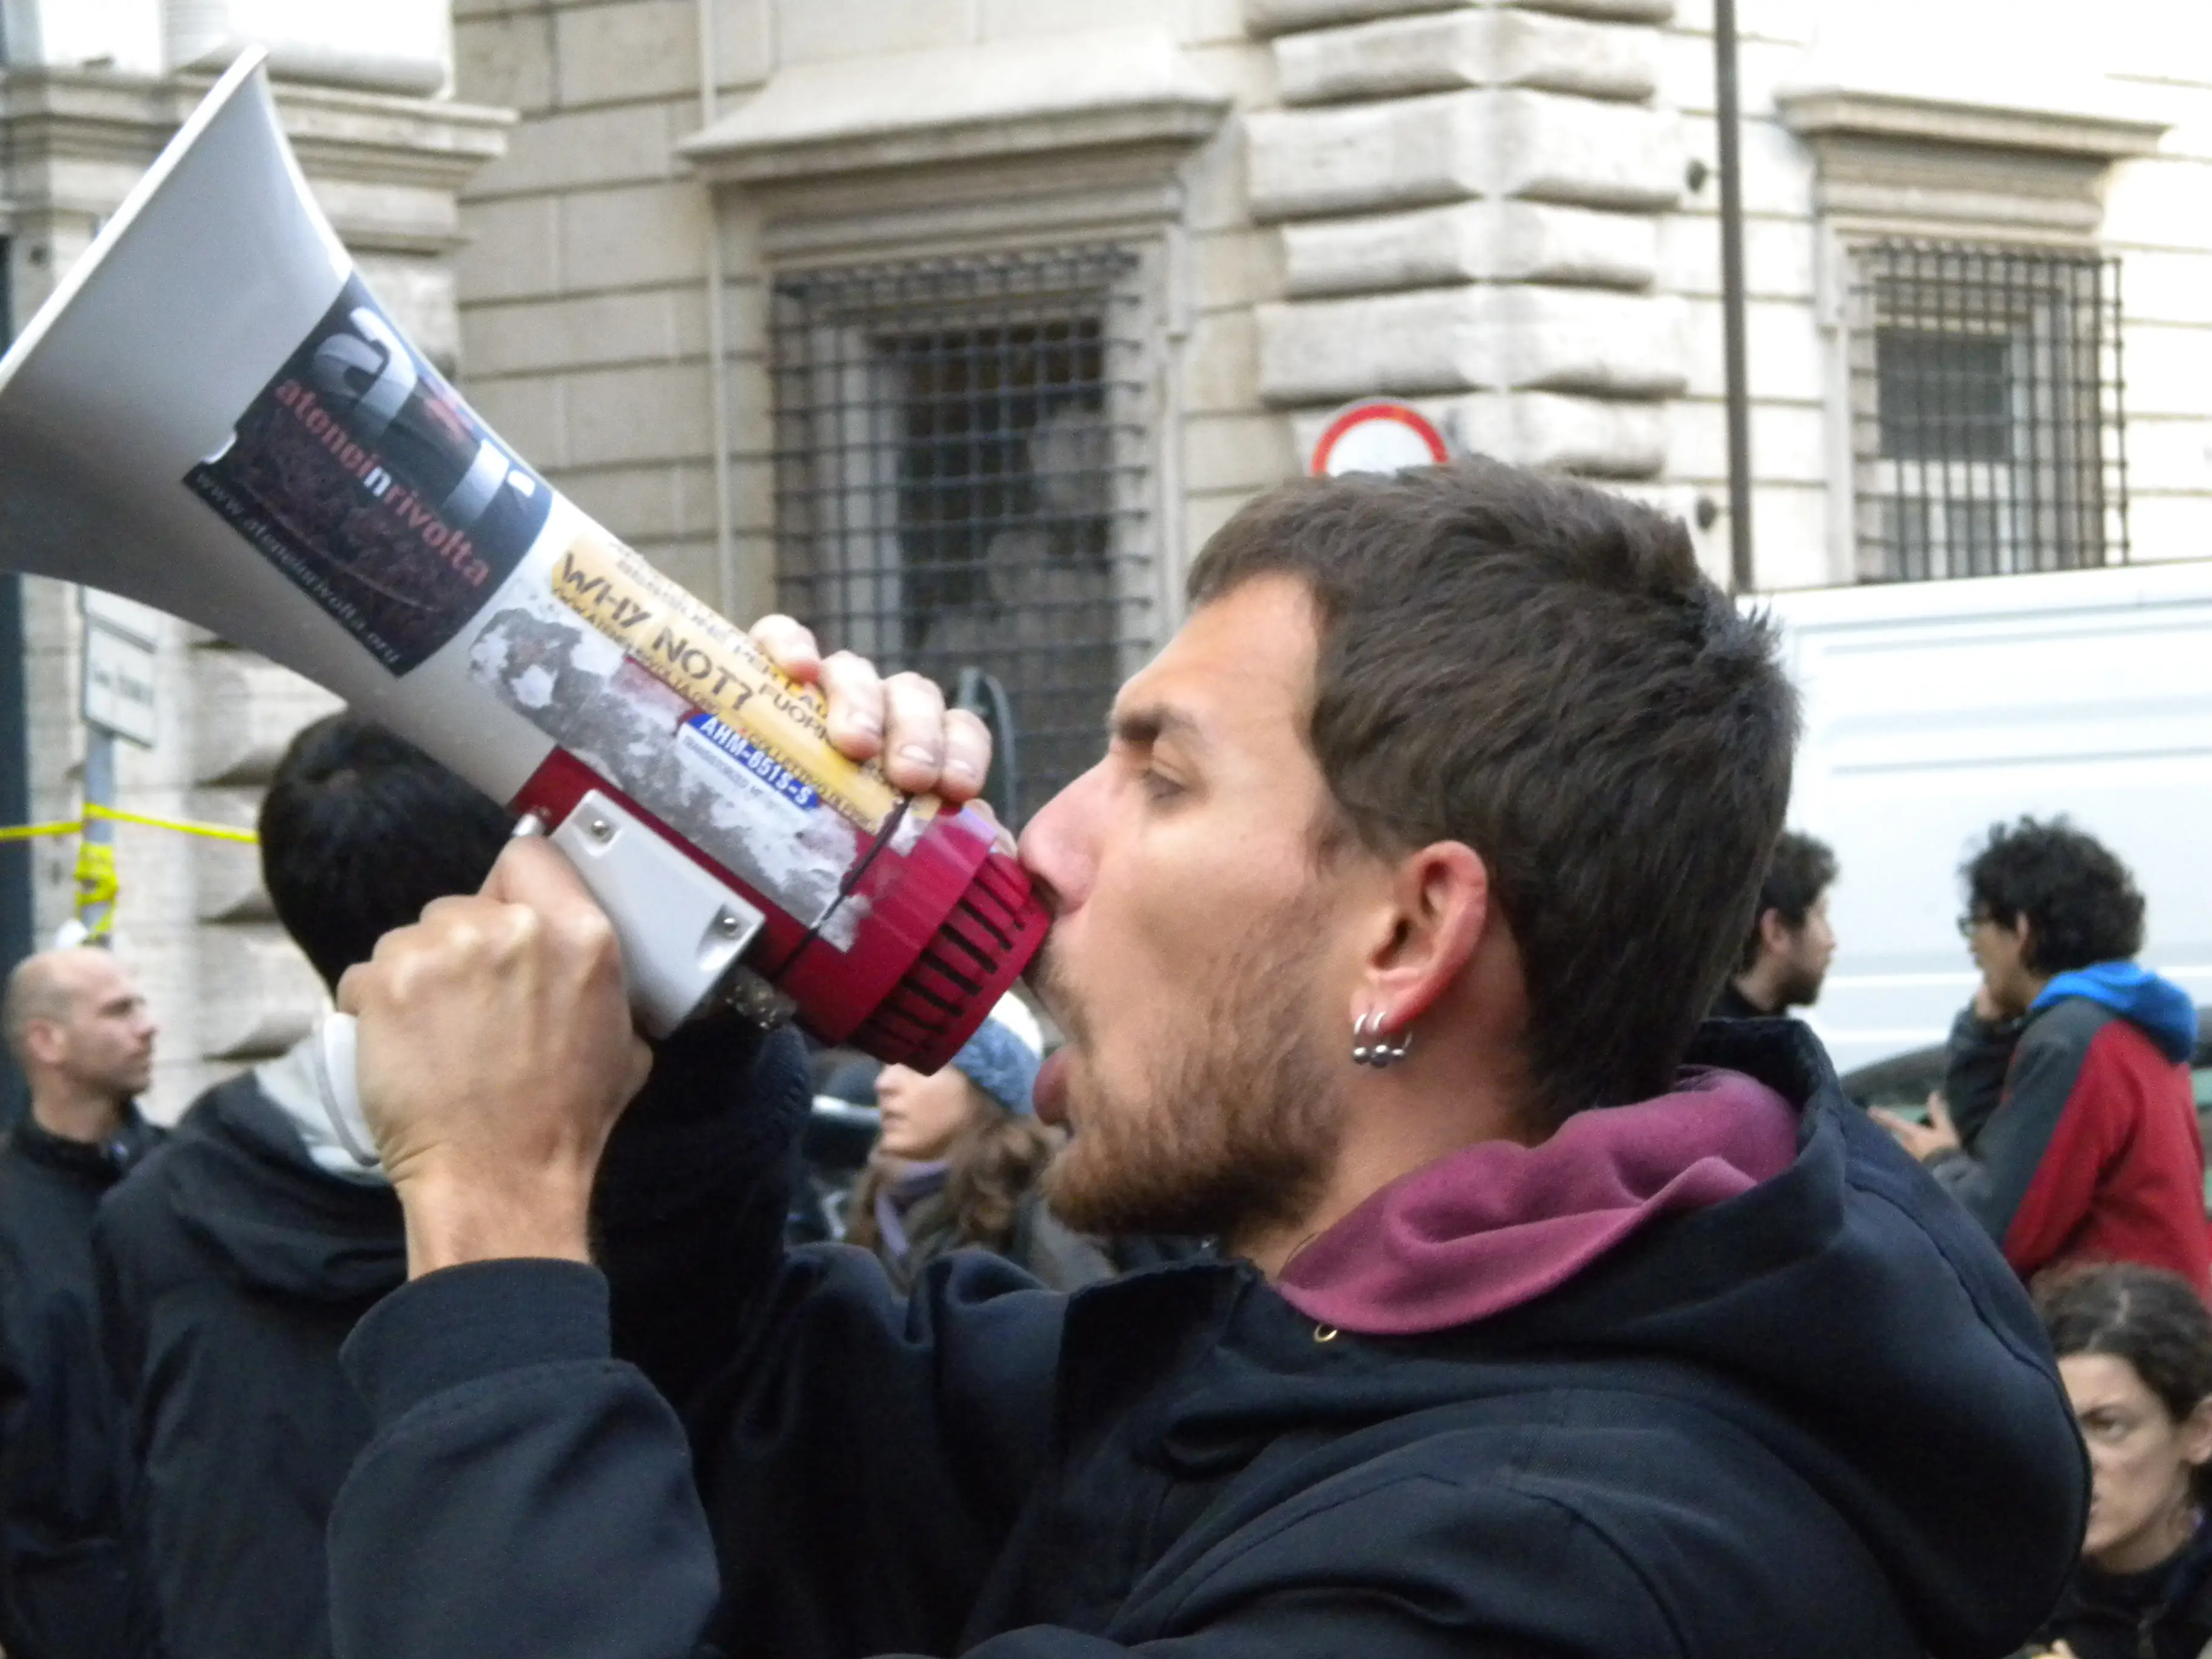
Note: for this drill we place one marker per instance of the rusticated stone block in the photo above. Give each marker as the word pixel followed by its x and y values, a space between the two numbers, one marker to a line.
pixel 258 996
pixel 1594 437
pixel 1587 340
pixel 248 708
pixel 1471 241
pixel 1307 164
pixel 1265 17
pixel 1552 147
pixel 1457 146
pixel 1472 338
pixel 1449 51
pixel 226 874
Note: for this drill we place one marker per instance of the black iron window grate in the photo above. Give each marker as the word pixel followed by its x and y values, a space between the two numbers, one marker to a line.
pixel 1988 434
pixel 961 481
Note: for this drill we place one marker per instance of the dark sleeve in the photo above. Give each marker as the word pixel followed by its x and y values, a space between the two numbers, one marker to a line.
pixel 1993 1179
pixel 524 1492
pixel 1977 1055
pixel 689 1207
pixel 842 1421
pixel 535 1495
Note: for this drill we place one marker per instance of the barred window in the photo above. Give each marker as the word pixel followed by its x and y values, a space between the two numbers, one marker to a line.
pixel 960 483
pixel 1988 435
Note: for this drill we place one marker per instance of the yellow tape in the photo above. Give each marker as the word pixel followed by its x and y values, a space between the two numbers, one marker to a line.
pixel 75 826
pixel 96 885
pixel 182 826
pixel 34 831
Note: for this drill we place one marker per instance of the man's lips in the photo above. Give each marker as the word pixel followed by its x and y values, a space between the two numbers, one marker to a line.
pixel 1048 1094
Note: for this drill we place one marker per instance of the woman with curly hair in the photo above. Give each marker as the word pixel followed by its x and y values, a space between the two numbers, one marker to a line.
pixel 958 1160
pixel 2135 1350
pixel 2066 1123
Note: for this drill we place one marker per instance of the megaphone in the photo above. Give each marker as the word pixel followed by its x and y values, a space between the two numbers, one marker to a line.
pixel 213 415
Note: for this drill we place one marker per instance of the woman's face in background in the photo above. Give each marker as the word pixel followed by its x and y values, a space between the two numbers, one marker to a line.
pixel 923 1114
pixel 2141 1507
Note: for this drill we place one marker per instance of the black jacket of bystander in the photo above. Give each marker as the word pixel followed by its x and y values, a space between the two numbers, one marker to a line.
pixel 231 1269
pixel 61 1576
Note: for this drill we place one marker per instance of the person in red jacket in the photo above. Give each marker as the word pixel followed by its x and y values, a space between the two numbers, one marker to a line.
pixel 2066 1123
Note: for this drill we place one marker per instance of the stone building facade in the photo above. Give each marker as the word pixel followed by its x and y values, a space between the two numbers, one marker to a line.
pixel 777 286
pixel 957 325
pixel 89 96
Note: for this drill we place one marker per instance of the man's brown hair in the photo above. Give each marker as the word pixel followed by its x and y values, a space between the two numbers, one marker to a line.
pixel 1538 669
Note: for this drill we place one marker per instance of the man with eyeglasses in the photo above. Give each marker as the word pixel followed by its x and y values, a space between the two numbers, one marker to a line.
pixel 2066 1123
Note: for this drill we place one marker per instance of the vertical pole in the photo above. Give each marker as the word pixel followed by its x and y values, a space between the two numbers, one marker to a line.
pixel 98 791
pixel 1732 295
pixel 16 926
pixel 718 344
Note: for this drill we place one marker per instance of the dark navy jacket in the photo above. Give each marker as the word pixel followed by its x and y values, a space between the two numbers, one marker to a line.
pixel 63 1577
pixel 1817 1419
pixel 231 1271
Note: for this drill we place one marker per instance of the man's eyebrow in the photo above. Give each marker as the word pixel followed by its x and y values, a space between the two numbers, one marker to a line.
pixel 1147 724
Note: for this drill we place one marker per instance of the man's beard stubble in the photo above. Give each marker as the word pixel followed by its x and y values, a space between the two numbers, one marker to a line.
pixel 1235 1125
pixel 1798 987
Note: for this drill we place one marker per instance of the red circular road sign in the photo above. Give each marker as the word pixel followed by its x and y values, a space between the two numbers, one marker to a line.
pixel 1377 434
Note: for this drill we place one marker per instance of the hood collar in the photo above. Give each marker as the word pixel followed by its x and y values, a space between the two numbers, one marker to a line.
pixel 107 1160
pixel 2159 1005
pixel 1498 1224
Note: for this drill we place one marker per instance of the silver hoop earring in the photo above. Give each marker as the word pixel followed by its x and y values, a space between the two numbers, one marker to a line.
pixel 1370 1047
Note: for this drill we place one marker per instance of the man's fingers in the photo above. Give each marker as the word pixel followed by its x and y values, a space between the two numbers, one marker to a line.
pixel 967 756
pixel 350 986
pixel 856 705
pixel 914 732
pixel 1939 1112
pixel 536 873
pixel 791 646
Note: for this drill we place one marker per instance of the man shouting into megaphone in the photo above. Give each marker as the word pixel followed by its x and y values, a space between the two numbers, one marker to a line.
pixel 1539 1323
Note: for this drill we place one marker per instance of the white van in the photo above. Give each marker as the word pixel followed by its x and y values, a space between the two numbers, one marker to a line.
pixel 1935 709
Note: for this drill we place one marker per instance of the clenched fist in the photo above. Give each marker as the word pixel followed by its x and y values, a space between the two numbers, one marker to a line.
pixel 495 1053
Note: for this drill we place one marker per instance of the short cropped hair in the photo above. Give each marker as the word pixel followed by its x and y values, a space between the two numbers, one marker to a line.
pixel 1538 669
pixel 2082 904
pixel 1801 870
pixel 34 992
pixel 360 830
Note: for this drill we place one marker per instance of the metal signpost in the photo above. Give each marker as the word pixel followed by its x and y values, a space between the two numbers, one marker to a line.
pixel 120 637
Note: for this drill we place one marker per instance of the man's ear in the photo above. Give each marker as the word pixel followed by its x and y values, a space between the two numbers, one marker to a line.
pixel 1441 907
pixel 1775 936
pixel 45 1041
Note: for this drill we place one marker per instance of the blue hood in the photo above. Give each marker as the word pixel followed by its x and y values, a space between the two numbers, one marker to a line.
pixel 2159 1005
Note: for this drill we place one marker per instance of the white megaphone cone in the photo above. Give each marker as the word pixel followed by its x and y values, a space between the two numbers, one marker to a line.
pixel 213 416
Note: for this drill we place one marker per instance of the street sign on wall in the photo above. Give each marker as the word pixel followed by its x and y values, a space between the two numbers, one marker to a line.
pixel 1377 434
pixel 118 665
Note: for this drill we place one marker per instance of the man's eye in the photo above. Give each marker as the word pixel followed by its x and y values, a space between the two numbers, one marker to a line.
pixel 1159 788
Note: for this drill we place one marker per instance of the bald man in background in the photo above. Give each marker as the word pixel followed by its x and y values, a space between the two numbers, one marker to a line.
pixel 82 1038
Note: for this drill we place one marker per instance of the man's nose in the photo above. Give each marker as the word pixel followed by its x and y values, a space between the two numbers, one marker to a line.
pixel 1058 848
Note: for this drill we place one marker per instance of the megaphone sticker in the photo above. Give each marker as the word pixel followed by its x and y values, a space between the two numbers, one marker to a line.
pixel 363 476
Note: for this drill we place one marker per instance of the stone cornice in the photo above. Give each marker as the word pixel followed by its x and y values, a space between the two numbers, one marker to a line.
pixel 52 117
pixel 1816 113
pixel 1896 162
pixel 1115 89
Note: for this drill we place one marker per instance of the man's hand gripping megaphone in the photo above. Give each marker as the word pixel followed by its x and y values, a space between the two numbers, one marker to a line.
pixel 495 1049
